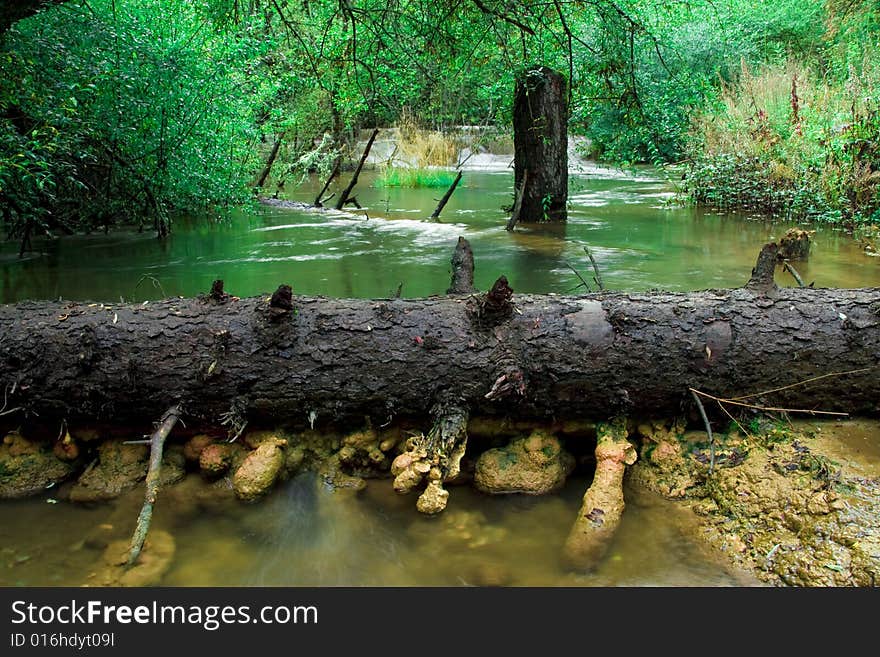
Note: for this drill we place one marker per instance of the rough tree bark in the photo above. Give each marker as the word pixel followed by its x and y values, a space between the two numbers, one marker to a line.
pixel 540 133
pixel 536 356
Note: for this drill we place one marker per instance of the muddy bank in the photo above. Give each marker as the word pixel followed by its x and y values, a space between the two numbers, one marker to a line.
pixel 789 501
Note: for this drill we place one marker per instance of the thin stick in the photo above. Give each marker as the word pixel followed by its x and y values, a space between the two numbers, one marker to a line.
pixel 598 276
pixel 735 421
pixel 702 410
pixel 804 382
pixel 157 442
pixel 581 278
pixel 791 270
pixel 769 408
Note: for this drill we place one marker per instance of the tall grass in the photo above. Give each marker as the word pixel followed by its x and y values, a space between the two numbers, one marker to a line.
pixel 421 157
pixel 407 177
pixel 784 141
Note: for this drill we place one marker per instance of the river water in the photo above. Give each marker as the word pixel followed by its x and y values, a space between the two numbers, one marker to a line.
pixel 638 237
pixel 305 534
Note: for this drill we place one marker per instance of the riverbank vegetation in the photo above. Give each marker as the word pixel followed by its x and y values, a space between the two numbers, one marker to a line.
pixel 798 138
pixel 116 111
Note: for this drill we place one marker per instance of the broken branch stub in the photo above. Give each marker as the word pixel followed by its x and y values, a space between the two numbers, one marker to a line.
pixel 762 275
pixel 462 269
pixel 495 306
pixel 217 294
pixel 281 302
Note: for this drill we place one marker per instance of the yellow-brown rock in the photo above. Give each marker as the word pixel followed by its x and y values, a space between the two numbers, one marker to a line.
pixel 535 465
pixel 260 469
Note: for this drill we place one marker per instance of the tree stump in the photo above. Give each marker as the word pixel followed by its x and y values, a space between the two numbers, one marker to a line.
pixel 540 132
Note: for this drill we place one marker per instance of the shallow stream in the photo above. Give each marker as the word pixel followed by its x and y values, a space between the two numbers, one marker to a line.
pixel 305 534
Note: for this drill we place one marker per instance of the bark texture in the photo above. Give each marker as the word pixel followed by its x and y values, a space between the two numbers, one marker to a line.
pixel 592 356
pixel 462 269
pixel 540 133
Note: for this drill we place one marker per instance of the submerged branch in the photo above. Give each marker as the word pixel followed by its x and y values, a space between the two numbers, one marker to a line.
pixel 157 443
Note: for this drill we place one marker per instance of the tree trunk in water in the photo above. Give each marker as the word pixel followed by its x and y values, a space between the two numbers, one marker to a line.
pixel 533 356
pixel 540 132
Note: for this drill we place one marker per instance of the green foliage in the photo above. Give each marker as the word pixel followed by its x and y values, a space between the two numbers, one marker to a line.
pixel 128 110
pixel 415 177
pixel 125 111
pixel 788 143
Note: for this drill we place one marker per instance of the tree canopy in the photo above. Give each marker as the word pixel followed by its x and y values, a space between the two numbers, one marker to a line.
pixel 136 110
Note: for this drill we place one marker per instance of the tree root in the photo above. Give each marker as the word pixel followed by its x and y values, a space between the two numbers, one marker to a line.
pixel 603 502
pixel 435 457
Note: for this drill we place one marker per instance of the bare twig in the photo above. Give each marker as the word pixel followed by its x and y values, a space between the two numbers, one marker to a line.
pixel 154 280
pixel 768 408
pixel 598 276
pixel 507 18
pixel 580 278
pixel 6 393
pixel 734 420
pixel 791 270
pixel 801 383
pixel 695 394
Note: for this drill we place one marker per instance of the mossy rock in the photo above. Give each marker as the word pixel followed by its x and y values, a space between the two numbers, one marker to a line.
pixel 28 468
pixel 152 563
pixel 121 467
pixel 534 465
pixel 257 474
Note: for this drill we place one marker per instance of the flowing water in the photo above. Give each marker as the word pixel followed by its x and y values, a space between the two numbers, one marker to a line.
pixel 639 239
pixel 305 534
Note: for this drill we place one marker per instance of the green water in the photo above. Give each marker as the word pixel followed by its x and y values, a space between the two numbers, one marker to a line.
pixel 639 240
pixel 304 534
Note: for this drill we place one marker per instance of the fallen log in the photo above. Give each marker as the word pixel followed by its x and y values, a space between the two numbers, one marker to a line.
pixel 295 359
